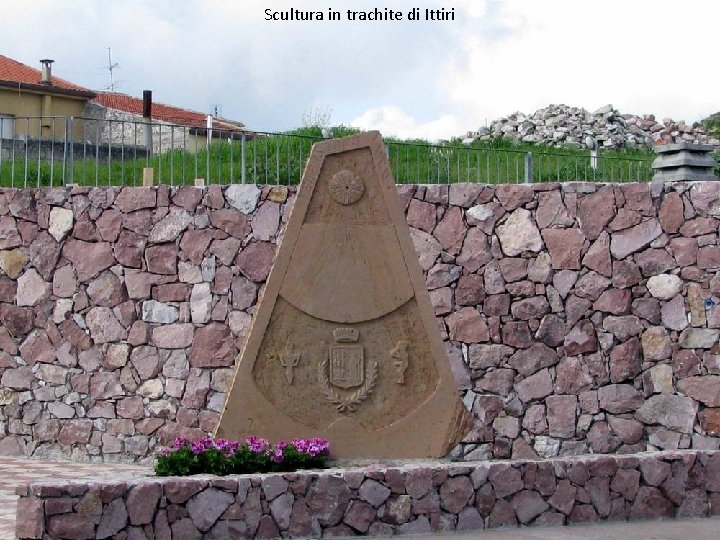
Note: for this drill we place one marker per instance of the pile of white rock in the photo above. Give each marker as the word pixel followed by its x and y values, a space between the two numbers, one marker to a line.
pixel 561 125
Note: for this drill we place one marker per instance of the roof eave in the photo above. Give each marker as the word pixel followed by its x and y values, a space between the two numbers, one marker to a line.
pixel 47 89
pixel 222 132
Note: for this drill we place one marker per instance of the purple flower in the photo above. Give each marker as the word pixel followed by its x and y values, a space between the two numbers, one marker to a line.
pixel 220 444
pixel 165 452
pixel 207 442
pixel 232 448
pixel 300 444
pixel 197 447
pixel 256 444
pixel 227 447
pixel 321 446
pixel 277 454
pixel 313 447
pixel 179 443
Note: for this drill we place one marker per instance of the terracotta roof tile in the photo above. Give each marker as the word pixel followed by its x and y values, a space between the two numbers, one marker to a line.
pixel 165 113
pixel 14 71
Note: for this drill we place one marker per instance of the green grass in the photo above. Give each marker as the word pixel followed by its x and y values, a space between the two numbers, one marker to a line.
pixel 501 161
pixel 281 160
pixel 711 124
pixel 268 160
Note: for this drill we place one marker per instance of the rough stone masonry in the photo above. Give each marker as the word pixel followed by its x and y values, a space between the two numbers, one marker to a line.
pixel 579 318
pixel 378 500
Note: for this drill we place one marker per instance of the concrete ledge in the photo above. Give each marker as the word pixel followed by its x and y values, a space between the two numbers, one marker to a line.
pixel 418 497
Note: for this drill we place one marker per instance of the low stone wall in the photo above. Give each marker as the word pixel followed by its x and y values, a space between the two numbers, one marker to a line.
pixel 115 127
pixel 378 501
pixel 580 318
pixel 55 152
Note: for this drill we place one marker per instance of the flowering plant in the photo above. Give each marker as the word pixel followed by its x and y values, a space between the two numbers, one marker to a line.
pixel 221 456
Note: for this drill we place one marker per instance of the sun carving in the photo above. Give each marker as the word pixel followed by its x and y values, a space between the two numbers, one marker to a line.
pixel 346 187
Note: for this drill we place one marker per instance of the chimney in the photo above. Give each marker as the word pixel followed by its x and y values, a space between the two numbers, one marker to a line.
pixel 147 104
pixel 147 118
pixel 47 71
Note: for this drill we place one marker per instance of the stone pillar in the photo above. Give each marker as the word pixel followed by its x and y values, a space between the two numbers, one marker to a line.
pixel 684 161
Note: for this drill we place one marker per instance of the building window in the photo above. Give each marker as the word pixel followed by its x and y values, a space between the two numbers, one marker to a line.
pixel 6 126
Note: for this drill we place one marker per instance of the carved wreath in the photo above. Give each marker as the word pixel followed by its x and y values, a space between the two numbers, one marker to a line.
pixel 348 403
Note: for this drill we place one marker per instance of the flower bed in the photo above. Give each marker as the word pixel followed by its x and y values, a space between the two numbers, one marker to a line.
pixel 222 457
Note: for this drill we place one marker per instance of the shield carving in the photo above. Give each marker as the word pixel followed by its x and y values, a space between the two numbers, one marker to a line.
pixel 347 367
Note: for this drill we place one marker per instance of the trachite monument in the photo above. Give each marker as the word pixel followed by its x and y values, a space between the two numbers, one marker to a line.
pixel 344 344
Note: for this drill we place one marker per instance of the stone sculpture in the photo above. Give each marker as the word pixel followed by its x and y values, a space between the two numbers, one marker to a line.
pixel 344 344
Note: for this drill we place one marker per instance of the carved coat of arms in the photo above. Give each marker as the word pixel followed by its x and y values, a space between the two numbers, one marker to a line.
pixel 345 369
pixel 346 366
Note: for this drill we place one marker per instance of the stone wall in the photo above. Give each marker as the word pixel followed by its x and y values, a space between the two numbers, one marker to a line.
pixel 378 501
pixel 581 318
pixel 117 127
pixel 57 152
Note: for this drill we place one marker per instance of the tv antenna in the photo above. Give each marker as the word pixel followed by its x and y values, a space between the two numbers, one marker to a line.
pixel 111 67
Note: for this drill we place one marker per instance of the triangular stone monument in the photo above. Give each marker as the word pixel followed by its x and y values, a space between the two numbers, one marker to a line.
pixel 344 344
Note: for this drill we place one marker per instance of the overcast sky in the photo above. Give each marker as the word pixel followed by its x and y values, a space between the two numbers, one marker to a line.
pixel 429 79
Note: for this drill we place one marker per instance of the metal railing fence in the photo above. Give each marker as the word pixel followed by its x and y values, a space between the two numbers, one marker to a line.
pixel 54 151
pixel 451 163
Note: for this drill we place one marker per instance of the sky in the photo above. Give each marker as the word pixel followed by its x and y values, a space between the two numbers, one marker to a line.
pixel 429 79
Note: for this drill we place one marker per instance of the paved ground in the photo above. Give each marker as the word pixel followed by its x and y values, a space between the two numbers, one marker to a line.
pixel 680 529
pixel 17 471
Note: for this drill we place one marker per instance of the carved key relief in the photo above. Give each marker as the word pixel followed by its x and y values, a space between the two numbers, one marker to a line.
pixel 400 355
